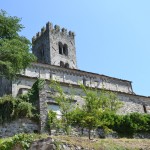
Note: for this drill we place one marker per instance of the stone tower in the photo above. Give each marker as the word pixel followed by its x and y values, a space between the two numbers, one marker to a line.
pixel 55 46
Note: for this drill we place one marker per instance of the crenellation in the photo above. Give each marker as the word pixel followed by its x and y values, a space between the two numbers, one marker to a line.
pixel 38 34
pixel 43 30
pixel 57 28
pixel 49 26
pixel 64 31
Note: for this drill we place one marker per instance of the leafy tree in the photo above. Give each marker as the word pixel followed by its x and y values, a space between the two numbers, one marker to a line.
pixel 65 105
pixel 14 49
pixel 88 116
pixel 96 103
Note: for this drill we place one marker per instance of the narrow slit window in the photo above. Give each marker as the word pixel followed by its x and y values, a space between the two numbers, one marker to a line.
pixel 65 49
pixel 60 46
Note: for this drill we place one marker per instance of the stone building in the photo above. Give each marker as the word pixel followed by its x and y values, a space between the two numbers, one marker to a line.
pixel 56 54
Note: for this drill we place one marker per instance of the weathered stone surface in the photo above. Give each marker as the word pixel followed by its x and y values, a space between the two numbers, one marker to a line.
pixel 46 46
pixel 18 126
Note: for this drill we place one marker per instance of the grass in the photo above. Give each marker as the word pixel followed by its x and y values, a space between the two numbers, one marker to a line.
pixel 107 144
pixel 96 144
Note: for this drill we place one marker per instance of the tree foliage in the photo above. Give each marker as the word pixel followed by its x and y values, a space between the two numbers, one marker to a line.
pixel 127 125
pixel 65 105
pixel 96 103
pixel 14 49
pixel 22 106
pixel 12 108
pixel 88 116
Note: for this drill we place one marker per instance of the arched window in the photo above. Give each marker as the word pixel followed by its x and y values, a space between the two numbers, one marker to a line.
pixel 62 64
pixel 66 65
pixel 60 46
pixel 65 49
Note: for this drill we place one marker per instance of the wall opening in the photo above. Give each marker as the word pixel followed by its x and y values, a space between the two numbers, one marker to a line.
pixel 62 64
pixel 65 49
pixel 66 65
pixel 60 46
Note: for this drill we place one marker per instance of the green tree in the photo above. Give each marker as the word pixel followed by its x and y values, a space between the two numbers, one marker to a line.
pixel 65 104
pixel 96 103
pixel 14 49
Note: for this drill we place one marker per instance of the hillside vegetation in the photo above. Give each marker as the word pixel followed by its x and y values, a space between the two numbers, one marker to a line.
pixel 24 142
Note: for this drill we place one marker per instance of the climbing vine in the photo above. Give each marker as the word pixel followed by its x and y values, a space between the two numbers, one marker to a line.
pixel 33 94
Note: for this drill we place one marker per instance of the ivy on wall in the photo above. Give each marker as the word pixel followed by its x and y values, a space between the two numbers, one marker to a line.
pixel 33 94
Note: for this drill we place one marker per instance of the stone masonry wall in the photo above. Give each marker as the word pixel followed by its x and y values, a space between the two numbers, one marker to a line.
pixel 18 126
pixel 76 77
pixel 132 103
pixel 5 86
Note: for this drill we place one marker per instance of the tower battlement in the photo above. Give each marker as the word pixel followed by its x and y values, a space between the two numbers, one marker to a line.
pixel 55 45
pixel 53 29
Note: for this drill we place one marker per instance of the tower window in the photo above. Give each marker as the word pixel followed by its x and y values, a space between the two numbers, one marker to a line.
pixel 62 64
pixel 60 45
pixel 65 49
pixel 66 65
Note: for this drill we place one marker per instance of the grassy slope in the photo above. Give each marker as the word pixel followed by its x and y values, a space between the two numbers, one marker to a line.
pixel 99 144
pixel 107 144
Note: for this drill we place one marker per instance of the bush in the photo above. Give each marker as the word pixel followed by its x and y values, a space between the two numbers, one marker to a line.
pixel 127 125
pixel 22 140
pixel 12 108
pixel 24 109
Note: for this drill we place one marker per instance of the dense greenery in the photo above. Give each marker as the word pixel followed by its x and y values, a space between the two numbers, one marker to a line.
pixel 127 125
pixel 23 106
pixel 99 110
pixel 22 140
pixel 96 103
pixel 14 49
pixel 13 108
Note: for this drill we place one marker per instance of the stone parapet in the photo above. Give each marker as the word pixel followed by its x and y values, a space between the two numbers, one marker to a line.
pixel 55 29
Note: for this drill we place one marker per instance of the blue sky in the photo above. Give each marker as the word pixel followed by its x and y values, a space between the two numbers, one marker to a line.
pixel 112 36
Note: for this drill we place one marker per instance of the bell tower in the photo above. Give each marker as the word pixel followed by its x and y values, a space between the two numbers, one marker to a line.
pixel 55 46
